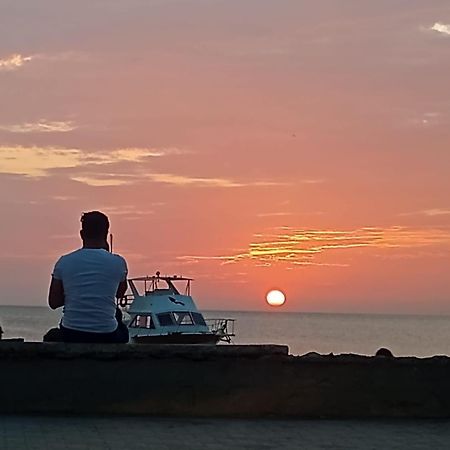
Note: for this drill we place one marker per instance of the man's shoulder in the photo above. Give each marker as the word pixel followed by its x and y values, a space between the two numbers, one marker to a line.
pixel 118 258
pixel 69 256
pixel 63 263
pixel 81 255
pixel 112 258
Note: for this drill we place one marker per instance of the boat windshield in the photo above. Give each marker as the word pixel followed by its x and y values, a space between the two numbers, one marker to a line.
pixel 183 318
pixel 180 318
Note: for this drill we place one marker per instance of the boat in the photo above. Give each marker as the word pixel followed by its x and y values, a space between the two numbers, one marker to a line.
pixel 157 313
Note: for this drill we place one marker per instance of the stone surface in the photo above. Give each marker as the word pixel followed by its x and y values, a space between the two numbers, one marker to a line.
pixel 223 381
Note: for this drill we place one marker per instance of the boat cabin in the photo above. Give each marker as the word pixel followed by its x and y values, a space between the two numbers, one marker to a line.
pixel 162 310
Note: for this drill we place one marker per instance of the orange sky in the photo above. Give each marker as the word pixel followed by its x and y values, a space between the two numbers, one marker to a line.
pixel 250 144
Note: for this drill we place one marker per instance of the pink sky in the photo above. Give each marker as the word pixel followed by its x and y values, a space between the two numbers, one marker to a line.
pixel 250 144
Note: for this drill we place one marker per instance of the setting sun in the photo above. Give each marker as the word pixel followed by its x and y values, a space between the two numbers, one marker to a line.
pixel 275 298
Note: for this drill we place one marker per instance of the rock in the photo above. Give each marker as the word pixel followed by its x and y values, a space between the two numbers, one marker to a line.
pixel 384 352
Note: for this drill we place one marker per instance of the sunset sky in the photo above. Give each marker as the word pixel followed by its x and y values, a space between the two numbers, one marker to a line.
pixel 251 144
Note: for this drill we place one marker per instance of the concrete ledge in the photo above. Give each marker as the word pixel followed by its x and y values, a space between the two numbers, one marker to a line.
pixel 39 350
pixel 222 381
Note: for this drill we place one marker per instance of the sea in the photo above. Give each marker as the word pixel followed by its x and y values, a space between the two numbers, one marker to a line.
pixel 404 335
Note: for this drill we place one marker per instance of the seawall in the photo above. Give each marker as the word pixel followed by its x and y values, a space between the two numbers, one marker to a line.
pixel 222 381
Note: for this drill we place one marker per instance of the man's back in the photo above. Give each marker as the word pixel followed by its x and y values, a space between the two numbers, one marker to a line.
pixel 90 278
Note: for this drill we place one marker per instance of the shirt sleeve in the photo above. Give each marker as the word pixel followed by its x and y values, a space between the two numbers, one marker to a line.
pixel 57 270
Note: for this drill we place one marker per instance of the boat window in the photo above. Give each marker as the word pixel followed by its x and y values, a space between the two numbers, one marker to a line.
pixel 198 319
pixel 142 322
pixel 165 319
pixel 183 318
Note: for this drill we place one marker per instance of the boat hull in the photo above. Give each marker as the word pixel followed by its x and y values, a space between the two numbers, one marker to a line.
pixel 178 338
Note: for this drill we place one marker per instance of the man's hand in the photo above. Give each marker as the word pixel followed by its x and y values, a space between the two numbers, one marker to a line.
pixel 56 294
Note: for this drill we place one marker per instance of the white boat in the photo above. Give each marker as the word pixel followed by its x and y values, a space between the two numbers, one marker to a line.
pixel 158 313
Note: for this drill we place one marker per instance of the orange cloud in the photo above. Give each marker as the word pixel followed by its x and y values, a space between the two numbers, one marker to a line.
pixel 42 126
pixel 39 161
pixel 301 247
pixel 102 168
pixel 14 62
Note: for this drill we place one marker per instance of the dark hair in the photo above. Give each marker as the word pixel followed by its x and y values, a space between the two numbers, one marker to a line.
pixel 95 225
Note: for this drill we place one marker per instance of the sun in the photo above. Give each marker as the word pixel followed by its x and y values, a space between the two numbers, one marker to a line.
pixel 275 298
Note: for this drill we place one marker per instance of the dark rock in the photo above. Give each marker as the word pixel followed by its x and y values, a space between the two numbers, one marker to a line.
pixel 385 352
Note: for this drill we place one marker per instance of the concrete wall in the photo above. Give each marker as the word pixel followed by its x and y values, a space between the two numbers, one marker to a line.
pixel 237 381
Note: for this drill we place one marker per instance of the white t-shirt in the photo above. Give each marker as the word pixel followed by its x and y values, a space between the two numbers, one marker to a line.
pixel 90 280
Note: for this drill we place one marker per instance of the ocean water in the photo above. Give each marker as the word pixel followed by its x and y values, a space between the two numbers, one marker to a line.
pixel 302 332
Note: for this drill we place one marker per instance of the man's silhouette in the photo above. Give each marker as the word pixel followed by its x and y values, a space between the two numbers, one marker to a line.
pixel 85 283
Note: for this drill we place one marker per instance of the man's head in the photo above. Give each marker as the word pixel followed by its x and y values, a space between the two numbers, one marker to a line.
pixel 94 226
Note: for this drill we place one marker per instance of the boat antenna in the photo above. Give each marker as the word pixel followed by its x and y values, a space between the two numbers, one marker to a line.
pixel 110 242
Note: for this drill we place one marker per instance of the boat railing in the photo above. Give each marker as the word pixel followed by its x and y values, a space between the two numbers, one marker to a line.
pixel 125 301
pixel 224 328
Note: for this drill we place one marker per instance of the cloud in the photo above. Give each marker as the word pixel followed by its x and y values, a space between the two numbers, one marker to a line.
pixel 103 168
pixel 39 161
pixel 17 61
pixel 137 154
pixel 14 62
pixel 110 180
pixel 181 180
pixel 436 212
pixel 429 212
pixel 275 214
pixel 117 179
pixel 64 198
pixel 42 126
pixel 309 247
pixel 36 161
pixel 441 28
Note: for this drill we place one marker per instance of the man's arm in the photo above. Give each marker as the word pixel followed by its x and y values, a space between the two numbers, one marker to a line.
pixel 56 294
pixel 123 286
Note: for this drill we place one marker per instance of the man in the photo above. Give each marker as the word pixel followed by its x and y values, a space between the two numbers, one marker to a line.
pixel 85 283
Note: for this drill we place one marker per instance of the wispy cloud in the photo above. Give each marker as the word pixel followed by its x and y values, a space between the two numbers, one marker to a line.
pixel 182 180
pixel 118 179
pixel 105 168
pixel 36 161
pixel 275 214
pixel 137 154
pixel 42 126
pixel 433 212
pixel 14 62
pixel 63 198
pixel 436 212
pixel 17 61
pixel 300 247
pixel 441 28
pixel 106 180
pixel 39 161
